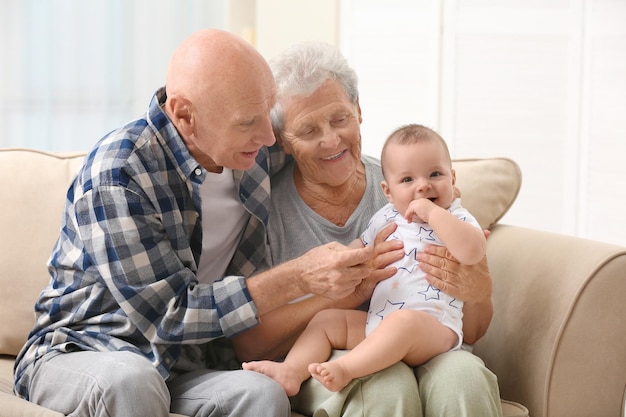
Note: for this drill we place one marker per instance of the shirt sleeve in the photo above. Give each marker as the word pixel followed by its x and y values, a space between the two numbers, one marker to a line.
pixel 143 257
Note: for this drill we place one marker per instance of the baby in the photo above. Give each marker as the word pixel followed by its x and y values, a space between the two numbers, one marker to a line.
pixel 408 319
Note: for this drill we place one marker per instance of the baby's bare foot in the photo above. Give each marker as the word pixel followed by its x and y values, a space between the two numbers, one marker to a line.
pixel 331 374
pixel 279 372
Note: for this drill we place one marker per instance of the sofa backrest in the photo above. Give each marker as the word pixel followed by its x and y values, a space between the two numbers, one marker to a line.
pixel 32 193
pixel 33 185
pixel 488 186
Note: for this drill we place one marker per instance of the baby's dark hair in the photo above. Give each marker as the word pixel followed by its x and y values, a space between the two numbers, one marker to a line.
pixel 410 134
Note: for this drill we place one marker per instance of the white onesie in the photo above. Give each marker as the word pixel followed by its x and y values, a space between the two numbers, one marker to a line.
pixel 408 288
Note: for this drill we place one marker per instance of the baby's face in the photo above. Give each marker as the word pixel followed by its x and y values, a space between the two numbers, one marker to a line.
pixel 418 170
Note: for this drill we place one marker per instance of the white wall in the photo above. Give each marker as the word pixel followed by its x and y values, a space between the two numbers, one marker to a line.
pixel 542 82
pixel 281 23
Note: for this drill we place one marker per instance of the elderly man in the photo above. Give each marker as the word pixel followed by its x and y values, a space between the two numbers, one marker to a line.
pixel 161 227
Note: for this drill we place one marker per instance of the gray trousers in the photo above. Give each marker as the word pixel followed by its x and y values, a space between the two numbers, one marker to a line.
pixel 119 384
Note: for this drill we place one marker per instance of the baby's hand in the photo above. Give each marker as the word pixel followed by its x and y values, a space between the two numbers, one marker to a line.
pixel 419 210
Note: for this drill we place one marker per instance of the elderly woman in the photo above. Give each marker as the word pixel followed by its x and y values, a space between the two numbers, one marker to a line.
pixel 329 192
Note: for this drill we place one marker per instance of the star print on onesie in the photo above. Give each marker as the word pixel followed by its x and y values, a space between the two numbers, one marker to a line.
pixel 410 261
pixel 431 293
pixel 409 288
pixel 427 234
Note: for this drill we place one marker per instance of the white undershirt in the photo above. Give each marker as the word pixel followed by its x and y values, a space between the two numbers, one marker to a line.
pixel 223 220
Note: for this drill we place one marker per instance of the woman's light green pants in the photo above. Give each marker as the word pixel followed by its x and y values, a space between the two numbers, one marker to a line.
pixel 455 383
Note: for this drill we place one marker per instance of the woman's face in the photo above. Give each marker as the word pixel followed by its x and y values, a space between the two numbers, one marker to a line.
pixel 322 132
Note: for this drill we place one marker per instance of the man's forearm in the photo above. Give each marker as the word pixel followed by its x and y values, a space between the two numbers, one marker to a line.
pixel 332 270
pixel 275 288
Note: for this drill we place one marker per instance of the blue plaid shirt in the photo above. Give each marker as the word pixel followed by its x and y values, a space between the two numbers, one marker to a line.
pixel 124 267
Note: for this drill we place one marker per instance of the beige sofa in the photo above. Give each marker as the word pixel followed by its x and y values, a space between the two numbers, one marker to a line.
pixel 557 341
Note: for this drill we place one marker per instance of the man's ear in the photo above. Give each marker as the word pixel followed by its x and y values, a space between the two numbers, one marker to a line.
pixel 181 114
pixel 386 191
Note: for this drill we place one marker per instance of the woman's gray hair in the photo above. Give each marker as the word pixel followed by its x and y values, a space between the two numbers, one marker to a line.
pixel 303 68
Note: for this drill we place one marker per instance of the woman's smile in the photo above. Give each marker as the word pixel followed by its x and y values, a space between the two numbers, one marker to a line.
pixel 335 157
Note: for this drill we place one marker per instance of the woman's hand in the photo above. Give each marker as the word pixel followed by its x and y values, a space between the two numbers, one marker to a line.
pixel 471 284
pixel 468 283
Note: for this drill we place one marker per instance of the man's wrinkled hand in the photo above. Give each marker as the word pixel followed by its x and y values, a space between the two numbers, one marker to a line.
pixel 334 270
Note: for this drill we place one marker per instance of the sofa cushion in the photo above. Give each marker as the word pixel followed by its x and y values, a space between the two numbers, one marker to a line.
pixel 32 190
pixel 488 187
pixel 33 185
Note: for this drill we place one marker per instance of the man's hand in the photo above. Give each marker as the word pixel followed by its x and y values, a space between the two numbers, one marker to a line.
pixel 333 270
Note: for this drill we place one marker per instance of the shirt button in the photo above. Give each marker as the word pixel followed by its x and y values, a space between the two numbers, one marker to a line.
pixel 198 171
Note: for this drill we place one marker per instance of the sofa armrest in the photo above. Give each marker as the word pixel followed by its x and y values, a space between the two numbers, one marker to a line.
pixel 557 339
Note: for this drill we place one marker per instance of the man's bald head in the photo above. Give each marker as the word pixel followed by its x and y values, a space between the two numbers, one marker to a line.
pixel 207 60
pixel 219 94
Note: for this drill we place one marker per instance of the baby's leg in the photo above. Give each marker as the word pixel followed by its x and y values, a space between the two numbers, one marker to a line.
pixel 411 336
pixel 329 329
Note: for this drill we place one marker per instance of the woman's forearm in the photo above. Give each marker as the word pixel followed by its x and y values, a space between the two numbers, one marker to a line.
pixel 471 284
pixel 476 319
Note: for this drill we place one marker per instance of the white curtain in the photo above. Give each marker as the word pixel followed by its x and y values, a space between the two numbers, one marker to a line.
pixel 72 70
